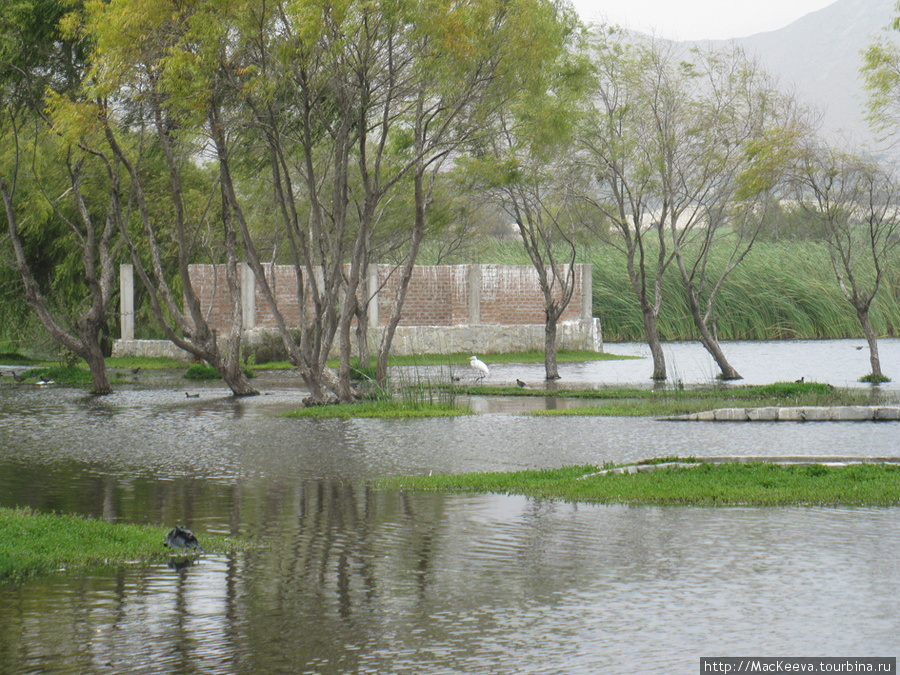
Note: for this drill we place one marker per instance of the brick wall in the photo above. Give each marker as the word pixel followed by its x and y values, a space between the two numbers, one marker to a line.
pixel 437 295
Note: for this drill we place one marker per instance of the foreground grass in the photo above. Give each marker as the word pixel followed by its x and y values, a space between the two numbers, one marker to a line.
pixel 33 543
pixel 728 484
pixel 382 409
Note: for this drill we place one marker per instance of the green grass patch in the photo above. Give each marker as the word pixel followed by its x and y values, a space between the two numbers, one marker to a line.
pixel 143 362
pixel 727 484
pixel 383 409
pixel 59 375
pixel 673 401
pixel 16 359
pixel 33 543
pixel 201 371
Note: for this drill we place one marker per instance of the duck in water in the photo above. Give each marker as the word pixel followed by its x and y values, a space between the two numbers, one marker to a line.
pixel 179 537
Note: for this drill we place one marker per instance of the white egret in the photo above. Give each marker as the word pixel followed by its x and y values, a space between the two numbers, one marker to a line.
pixel 480 366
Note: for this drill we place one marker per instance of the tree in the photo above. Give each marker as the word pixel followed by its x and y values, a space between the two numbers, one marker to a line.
pixel 736 138
pixel 130 101
pixel 523 168
pixel 857 203
pixel 620 150
pixel 683 154
pixel 34 56
pixel 349 104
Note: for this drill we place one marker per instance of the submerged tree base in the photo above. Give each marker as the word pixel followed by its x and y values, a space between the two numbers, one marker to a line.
pixel 698 484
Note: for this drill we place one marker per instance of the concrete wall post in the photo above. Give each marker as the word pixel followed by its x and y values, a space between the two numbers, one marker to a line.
pixel 248 297
pixel 126 301
pixel 587 291
pixel 474 278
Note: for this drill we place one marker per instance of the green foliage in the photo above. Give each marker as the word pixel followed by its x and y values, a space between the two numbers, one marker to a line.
pixel 201 371
pixel 60 375
pixel 793 389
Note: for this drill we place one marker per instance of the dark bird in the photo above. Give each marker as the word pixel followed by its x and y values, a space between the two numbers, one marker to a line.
pixel 801 380
pixel 135 371
pixel 179 537
pixel 17 377
pixel 44 380
pixel 520 383
pixel 189 395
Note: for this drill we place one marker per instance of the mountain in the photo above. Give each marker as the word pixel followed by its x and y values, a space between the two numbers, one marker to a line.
pixel 820 56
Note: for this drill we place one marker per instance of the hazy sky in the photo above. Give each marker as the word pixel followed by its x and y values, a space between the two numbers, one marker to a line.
pixel 698 19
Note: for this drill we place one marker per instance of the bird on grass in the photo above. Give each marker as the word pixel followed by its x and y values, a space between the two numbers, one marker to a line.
pixel 17 377
pixel 44 380
pixel 520 383
pixel 480 366
pixel 179 537
pixel 189 395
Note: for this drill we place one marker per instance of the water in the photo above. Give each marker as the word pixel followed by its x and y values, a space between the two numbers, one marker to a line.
pixel 351 580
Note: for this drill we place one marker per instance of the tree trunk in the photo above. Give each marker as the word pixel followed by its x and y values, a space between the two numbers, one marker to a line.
pixel 872 339
pixel 652 332
pixel 230 367
pixel 551 368
pixel 86 343
pixel 710 343
pixel 97 364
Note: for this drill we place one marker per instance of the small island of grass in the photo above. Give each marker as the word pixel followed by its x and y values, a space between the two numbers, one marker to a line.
pixel 690 483
pixel 33 543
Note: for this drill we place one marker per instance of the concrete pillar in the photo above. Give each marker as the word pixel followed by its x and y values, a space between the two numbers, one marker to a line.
pixel 126 301
pixel 474 278
pixel 587 291
pixel 248 297
pixel 372 274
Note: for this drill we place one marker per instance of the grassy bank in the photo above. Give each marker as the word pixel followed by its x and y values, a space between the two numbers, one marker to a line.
pixel 673 401
pixel 728 484
pixel 34 543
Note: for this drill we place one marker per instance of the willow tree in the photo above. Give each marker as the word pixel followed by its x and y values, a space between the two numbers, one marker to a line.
pixel 856 202
pixel 734 139
pixel 522 165
pixel 681 155
pixel 620 149
pixel 130 95
pixel 51 183
pixel 345 105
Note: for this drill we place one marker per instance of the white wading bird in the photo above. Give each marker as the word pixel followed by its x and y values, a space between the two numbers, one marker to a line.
pixel 480 366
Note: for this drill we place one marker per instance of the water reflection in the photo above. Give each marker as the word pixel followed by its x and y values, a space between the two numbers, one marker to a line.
pixel 352 580
pixel 348 579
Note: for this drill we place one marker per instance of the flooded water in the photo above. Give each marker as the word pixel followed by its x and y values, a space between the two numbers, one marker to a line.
pixel 351 580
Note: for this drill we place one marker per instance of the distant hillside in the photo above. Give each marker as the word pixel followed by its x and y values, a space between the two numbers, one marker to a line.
pixel 820 55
